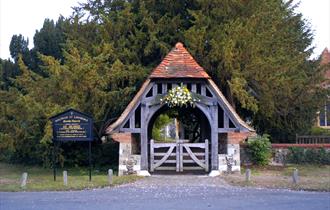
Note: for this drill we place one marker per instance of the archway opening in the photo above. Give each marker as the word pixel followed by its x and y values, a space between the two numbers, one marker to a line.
pixel 186 123
pixel 179 140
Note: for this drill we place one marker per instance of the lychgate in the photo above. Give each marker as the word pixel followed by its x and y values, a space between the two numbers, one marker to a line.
pixel 220 129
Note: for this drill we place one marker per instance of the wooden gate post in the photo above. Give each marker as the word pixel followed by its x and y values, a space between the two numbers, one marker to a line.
pixel 152 155
pixel 144 138
pixel 214 138
pixel 177 152
pixel 206 155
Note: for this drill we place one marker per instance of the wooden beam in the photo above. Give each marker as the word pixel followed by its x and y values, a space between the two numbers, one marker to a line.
pixel 148 88
pixel 152 157
pixel 225 120
pixel 166 168
pixel 226 130
pixel 132 120
pixel 144 137
pixel 164 88
pixel 214 138
pixel 193 87
pixel 223 105
pixel 206 157
pixel 130 130
pixel 154 90
pixel 203 90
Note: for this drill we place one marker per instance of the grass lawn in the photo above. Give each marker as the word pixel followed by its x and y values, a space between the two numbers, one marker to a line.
pixel 41 179
pixel 311 177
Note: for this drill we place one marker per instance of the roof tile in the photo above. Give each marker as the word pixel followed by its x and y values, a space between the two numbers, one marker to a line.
pixel 179 63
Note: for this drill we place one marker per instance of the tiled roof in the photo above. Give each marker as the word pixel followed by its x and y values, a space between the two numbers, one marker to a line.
pixel 325 59
pixel 178 63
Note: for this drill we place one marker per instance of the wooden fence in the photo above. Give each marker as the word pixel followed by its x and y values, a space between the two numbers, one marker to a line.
pixel 312 139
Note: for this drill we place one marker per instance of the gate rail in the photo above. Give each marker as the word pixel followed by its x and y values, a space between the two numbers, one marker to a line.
pixel 183 155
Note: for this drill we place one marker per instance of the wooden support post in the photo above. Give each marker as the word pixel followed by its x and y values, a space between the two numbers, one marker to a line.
pixel 206 155
pixel 295 176
pixel 177 152
pixel 65 178
pixel 164 88
pixel 154 90
pixel 248 175
pixel 214 138
pixel 193 88
pixel 176 122
pixel 152 156
pixel 225 120
pixel 24 180
pixel 132 121
pixel 203 90
pixel 144 137
pixel 110 175
pixel 181 157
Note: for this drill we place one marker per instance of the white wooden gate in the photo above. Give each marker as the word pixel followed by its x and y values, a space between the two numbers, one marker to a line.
pixel 179 156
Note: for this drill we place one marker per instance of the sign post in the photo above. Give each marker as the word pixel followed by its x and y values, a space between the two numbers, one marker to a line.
pixel 90 160
pixel 72 125
pixel 54 160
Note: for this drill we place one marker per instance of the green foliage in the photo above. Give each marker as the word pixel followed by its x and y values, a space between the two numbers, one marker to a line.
pixel 296 155
pixel 18 45
pixel 318 131
pixel 8 70
pixel 161 121
pixel 50 39
pixel 258 53
pixel 299 155
pixel 259 150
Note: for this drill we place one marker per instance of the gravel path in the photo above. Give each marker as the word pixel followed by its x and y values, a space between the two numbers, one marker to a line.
pixel 188 192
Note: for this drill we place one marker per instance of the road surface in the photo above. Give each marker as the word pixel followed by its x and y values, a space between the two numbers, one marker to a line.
pixel 170 192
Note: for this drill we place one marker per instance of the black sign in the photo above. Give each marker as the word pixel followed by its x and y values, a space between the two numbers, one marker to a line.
pixel 72 125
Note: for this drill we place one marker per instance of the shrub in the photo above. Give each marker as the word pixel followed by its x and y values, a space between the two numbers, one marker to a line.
pixel 318 131
pixel 259 150
pixel 298 155
pixel 324 156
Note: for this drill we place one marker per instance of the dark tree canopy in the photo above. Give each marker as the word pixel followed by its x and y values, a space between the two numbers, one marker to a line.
pixel 18 45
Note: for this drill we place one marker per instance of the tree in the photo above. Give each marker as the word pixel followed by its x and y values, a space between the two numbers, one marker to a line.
pixel 18 45
pixel 8 70
pixel 50 39
pixel 258 54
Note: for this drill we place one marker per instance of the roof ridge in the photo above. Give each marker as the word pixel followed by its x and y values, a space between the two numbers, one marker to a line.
pixel 325 56
pixel 179 63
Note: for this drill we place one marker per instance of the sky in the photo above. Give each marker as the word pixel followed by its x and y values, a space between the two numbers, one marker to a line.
pixel 26 16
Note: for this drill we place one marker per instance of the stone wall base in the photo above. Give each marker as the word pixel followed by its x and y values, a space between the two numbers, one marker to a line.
pixel 126 157
pixel 233 151
pixel 280 152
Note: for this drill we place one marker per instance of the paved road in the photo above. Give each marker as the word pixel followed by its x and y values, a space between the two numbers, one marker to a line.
pixel 169 193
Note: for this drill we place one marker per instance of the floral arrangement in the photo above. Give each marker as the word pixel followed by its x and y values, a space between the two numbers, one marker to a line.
pixel 178 97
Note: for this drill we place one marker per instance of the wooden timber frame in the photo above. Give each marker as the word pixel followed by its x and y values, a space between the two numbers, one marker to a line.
pixel 137 117
pixel 182 153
